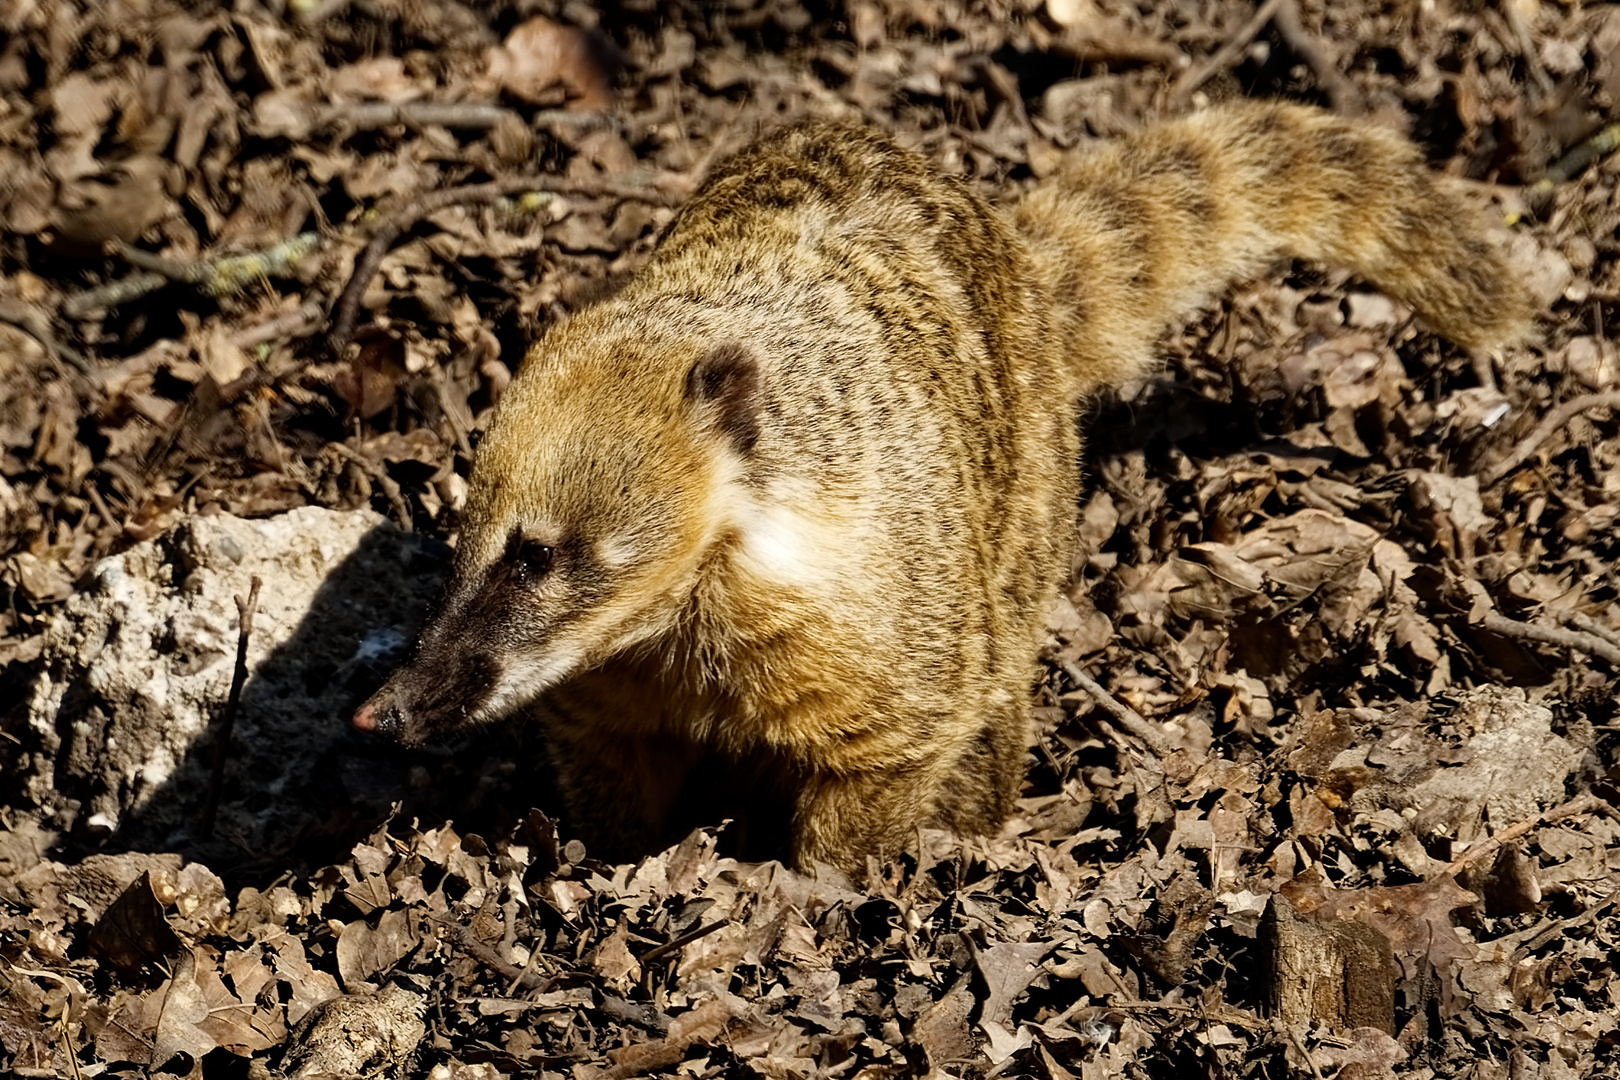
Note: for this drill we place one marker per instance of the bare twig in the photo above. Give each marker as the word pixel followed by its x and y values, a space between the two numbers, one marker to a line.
pixel 113 294
pixel 1556 928
pixel 647 1015
pixel 1590 644
pixel 1284 15
pixel 93 492
pixel 1593 627
pixel 222 275
pixel 1129 718
pixel 245 610
pixel 301 321
pixel 1602 143
pixel 379 473
pixel 1299 1044
pixel 469 115
pixel 1226 54
pixel 465 940
pixel 347 307
pixel 1224 1016
pixel 661 951
pixel 1527 49
pixel 523 972
pixel 1544 431
pixel 452 412
pixel 1341 91
pixel 1578 805
pixel 32 321
pixel 465 115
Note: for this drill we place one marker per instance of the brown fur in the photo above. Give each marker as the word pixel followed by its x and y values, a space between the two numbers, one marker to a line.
pixel 775 531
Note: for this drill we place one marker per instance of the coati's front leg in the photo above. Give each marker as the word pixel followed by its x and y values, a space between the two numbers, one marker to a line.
pixel 841 819
pixel 967 781
pixel 620 793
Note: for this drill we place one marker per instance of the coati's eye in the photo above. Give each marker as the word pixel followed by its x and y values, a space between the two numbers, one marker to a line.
pixel 531 558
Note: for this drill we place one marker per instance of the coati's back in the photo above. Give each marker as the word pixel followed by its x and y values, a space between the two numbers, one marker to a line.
pixel 798 499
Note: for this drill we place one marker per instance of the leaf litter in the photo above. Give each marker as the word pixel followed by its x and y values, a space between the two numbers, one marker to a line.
pixel 1366 597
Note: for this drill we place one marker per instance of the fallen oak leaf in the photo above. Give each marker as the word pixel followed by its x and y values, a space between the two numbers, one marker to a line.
pixel 185 1010
pixel 132 933
pixel 540 55
pixel 702 1023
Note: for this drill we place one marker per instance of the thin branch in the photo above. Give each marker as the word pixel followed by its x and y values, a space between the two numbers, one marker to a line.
pixel 1129 718
pixel 1527 49
pixel 451 410
pixel 1590 644
pixel 661 951
pixel 1284 15
pixel 465 940
pixel 224 275
pixel 1299 1044
pixel 1544 431
pixel 379 473
pixel 1593 627
pixel 32 321
pixel 1226 54
pixel 346 310
pixel 245 610
pixel 1578 158
pixel 113 294
pixel 468 115
pixel 465 115
pixel 1578 805
pixel 1555 928
pixel 1196 1008
pixel 218 276
pixel 1341 91
pixel 300 321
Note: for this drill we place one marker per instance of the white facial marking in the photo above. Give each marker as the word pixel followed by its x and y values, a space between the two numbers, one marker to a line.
pixel 524 679
pixel 616 551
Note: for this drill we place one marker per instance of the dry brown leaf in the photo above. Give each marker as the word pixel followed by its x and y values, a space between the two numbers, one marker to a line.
pixel 132 934
pixel 186 1006
pixel 1008 969
pixel 942 1031
pixel 364 951
pixel 614 961
pixel 540 56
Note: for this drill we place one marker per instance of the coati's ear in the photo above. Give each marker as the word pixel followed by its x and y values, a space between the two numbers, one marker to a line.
pixel 725 386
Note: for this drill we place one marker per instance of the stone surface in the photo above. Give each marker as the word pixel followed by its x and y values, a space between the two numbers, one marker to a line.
pixel 138 666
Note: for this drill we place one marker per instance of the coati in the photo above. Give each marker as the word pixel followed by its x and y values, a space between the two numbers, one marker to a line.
pixel 784 518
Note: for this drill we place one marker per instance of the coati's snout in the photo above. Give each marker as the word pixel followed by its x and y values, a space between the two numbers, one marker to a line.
pixel 442 687
pixel 504 630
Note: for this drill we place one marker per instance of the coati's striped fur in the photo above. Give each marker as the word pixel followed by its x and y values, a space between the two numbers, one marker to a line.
pixel 774 532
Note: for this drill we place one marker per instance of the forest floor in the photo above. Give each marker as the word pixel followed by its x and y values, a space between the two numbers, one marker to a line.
pixel 1351 597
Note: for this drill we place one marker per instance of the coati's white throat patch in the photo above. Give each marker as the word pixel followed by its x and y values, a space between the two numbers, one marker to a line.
pixel 774 541
pixel 782 544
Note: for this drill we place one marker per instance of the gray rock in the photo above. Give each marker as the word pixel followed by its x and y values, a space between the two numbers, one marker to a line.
pixel 137 668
